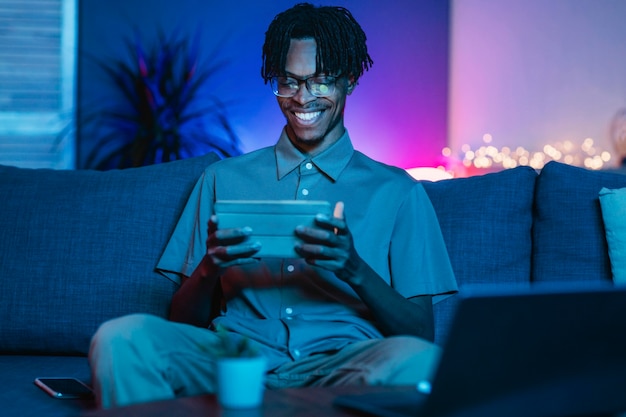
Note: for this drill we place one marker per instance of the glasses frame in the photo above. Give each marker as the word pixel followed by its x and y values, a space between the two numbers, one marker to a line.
pixel 274 82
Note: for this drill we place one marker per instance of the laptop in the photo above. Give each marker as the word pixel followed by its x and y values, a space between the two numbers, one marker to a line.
pixel 555 350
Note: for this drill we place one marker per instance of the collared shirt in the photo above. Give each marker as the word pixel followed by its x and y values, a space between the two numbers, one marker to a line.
pixel 293 309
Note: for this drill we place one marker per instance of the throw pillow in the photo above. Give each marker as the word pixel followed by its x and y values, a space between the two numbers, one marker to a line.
pixel 569 243
pixel 613 204
pixel 486 223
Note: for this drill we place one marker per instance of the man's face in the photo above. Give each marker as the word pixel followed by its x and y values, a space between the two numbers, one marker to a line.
pixel 313 123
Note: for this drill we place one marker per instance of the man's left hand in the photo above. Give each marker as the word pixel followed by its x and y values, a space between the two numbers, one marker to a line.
pixel 330 245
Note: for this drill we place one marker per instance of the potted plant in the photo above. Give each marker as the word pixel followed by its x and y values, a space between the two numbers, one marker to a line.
pixel 164 114
pixel 240 371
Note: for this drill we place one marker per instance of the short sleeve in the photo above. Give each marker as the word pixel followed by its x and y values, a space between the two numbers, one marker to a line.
pixel 419 259
pixel 187 245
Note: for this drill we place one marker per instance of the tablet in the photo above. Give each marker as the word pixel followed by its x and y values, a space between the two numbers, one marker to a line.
pixel 273 222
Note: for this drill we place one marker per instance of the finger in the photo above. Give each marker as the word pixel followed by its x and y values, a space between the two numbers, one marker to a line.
pixel 310 251
pixel 320 236
pixel 329 223
pixel 338 213
pixel 211 229
pixel 229 253
pixel 243 251
pixel 227 237
pixel 212 224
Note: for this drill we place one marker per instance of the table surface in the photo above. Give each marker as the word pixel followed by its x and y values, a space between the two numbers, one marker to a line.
pixel 291 402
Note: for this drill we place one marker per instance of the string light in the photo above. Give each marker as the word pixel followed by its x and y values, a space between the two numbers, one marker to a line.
pixel 587 154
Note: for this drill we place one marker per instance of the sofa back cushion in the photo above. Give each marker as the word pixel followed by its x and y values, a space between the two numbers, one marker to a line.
pixel 486 223
pixel 569 242
pixel 80 247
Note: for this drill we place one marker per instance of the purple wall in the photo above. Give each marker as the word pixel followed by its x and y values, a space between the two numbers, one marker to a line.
pixel 537 73
pixel 397 114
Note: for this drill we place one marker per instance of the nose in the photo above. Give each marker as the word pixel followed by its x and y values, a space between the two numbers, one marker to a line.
pixel 303 95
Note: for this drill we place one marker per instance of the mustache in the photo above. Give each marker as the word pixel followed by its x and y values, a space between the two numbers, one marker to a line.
pixel 307 107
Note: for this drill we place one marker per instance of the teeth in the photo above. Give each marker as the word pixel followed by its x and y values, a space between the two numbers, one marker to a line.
pixel 308 116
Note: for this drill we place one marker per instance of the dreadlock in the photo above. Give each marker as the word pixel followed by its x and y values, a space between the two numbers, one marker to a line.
pixel 340 40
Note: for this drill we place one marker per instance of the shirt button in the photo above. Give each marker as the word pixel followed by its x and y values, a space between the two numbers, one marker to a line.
pixel 309 165
pixel 305 192
pixel 289 310
pixel 290 268
pixel 296 352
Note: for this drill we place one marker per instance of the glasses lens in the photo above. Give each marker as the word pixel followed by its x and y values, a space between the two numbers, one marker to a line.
pixel 284 86
pixel 321 86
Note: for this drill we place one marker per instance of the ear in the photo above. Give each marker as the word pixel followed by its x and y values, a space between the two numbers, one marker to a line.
pixel 351 84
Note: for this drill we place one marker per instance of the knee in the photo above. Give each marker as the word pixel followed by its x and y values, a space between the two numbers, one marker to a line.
pixel 120 333
pixel 410 360
pixel 408 346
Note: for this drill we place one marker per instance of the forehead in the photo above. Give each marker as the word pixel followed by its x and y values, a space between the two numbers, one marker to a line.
pixel 301 57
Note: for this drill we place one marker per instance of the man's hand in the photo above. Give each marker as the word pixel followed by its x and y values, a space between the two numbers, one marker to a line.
pixel 197 301
pixel 229 247
pixel 330 245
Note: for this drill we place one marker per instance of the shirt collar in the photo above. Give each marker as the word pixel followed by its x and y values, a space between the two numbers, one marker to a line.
pixel 331 162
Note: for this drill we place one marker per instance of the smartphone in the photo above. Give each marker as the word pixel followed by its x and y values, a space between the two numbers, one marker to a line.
pixel 64 388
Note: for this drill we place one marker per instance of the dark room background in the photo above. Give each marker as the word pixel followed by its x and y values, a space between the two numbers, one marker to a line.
pixel 396 115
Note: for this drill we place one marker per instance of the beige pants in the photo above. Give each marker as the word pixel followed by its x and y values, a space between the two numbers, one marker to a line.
pixel 141 358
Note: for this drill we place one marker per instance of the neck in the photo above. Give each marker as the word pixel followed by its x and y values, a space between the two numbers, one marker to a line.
pixel 313 147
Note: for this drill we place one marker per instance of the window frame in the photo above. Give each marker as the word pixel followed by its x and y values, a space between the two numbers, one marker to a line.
pixel 55 146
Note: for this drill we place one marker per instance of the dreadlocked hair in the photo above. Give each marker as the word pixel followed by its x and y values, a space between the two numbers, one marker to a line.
pixel 340 40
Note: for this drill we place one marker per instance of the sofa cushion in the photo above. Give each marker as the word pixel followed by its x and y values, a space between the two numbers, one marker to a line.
pixel 80 247
pixel 486 223
pixel 613 205
pixel 569 241
pixel 20 397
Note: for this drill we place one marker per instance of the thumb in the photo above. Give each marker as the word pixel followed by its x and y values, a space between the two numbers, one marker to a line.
pixel 338 212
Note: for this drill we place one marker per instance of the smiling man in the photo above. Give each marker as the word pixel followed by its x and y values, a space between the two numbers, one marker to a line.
pixel 315 113
pixel 355 306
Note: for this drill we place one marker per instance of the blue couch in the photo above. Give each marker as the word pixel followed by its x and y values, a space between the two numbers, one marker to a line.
pixel 79 247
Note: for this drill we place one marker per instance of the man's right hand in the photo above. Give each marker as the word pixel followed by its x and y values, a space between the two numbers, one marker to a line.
pixel 195 301
pixel 230 247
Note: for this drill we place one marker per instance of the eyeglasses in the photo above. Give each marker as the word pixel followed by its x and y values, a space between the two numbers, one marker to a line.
pixel 318 85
